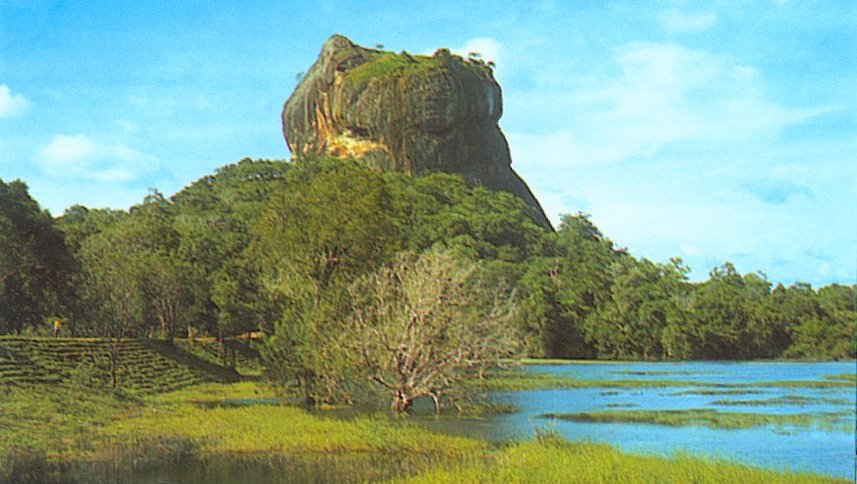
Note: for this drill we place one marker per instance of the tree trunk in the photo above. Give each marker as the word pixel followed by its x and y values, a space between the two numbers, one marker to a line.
pixel 222 345
pixel 310 400
pixel 166 330
pixel 435 398
pixel 401 403
pixel 113 366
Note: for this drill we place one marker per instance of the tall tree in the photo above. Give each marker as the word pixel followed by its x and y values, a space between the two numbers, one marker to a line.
pixel 828 330
pixel 113 288
pixel 312 240
pixel 577 280
pixel 213 217
pixel 631 323
pixel 730 315
pixel 34 261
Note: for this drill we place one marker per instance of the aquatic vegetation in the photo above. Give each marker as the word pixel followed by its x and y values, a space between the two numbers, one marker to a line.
pixel 706 417
pixel 805 384
pixel 718 391
pixel 563 361
pixel 799 400
pixel 519 380
pixel 849 377
pixel 662 372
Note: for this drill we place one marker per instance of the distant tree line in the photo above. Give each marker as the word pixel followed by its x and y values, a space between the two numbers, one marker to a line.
pixel 288 249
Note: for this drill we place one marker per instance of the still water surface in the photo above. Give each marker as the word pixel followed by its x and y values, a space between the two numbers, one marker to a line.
pixel 822 450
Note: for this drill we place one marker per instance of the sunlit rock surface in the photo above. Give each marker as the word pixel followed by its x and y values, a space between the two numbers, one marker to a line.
pixel 403 112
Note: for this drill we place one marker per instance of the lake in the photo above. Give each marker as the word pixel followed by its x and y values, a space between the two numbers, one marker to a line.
pixel 755 387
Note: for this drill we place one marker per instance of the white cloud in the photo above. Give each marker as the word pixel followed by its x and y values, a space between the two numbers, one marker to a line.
pixel 67 150
pixel 658 96
pixel 11 104
pixel 487 47
pixel 79 156
pixel 678 21
pixel 673 151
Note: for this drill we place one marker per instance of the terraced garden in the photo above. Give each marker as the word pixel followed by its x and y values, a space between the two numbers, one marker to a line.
pixel 145 366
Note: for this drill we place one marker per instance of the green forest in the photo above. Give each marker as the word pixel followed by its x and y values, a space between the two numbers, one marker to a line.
pixel 315 255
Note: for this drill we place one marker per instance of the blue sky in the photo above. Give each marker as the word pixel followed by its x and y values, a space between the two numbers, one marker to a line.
pixel 711 131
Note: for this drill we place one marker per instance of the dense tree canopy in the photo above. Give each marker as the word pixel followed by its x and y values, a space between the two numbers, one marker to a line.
pixel 34 261
pixel 279 248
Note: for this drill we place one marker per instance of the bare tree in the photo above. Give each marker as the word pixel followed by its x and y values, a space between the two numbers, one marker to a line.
pixel 422 325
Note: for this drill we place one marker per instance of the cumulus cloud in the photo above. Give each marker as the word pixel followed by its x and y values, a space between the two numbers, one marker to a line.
pixel 80 157
pixel 678 21
pixel 11 104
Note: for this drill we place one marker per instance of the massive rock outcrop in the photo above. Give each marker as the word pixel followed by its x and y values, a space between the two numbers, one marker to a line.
pixel 403 112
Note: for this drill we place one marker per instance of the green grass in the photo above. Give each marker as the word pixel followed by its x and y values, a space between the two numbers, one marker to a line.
pixel 101 428
pixel 51 421
pixel 390 64
pixel 385 65
pixel 560 461
pixel 711 418
pixel 270 428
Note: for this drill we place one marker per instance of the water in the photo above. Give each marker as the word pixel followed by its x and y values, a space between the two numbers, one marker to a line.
pixel 822 450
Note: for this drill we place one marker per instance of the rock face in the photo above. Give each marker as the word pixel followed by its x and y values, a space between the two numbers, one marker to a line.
pixel 406 113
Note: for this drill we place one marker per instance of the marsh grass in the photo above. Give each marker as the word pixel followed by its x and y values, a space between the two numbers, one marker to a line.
pixel 562 361
pixel 561 461
pixel 663 372
pixel 798 400
pixel 849 377
pixel 718 391
pixel 711 418
pixel 519 381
